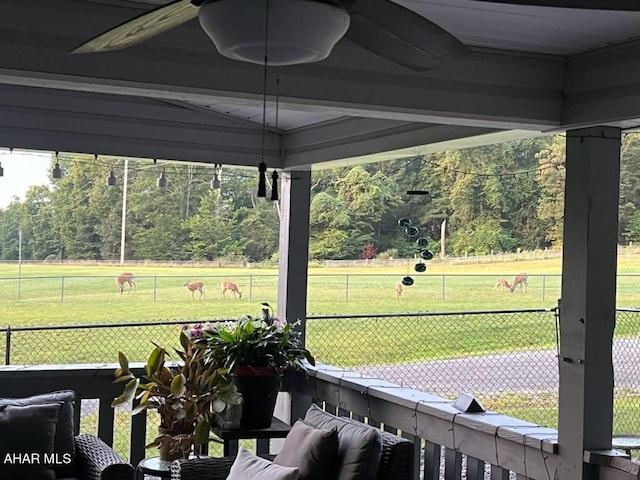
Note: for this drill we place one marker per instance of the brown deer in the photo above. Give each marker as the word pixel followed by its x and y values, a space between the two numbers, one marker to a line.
pixel 520 279
pixel 232 287
pixel 126 277
pixel 502 284
pixel 195 287
pixel 398 290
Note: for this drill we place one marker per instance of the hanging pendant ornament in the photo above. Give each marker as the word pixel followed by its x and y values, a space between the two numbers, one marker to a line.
pixel 404 222
pixel 412 231
pixel 274 186
pixel 262 180
pixel 426 254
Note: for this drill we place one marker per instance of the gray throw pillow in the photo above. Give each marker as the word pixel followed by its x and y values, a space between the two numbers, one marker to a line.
pixel 248 466
pixel 64 444
pixel 359 446
pixel 312 450
pixel 27 436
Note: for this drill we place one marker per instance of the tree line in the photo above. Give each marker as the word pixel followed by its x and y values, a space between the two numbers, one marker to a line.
pixel 494 198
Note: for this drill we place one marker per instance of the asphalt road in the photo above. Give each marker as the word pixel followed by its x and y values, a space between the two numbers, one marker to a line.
pixel 520 372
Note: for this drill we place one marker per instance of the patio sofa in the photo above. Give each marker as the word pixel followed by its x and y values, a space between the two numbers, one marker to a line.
pixel 39 441
pixel 321 446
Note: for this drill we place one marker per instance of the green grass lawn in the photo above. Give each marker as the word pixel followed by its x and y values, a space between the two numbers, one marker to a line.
pixel 47 295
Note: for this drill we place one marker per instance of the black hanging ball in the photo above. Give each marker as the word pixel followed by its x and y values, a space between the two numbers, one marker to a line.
pixel 412 231
pixel 419 267
pixel 426 254
pixel 404 222
pixel 407 281
pixel 422 242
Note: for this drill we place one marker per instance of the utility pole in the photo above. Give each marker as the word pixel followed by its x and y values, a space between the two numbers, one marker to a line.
pixel 123 232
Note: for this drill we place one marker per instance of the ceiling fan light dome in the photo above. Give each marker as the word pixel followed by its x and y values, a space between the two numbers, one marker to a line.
pixel 300 31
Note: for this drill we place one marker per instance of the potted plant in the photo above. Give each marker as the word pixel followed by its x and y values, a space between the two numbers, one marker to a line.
pixel 256 351
pixel 186 394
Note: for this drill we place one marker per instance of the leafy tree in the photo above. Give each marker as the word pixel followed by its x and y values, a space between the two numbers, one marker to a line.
pixel 329 221
pixel 551 178
pixel 37 224
pixel 10 231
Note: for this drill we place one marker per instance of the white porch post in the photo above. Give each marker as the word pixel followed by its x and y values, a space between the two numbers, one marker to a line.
pixel 293 269
pixel 294 246
pixel 587 313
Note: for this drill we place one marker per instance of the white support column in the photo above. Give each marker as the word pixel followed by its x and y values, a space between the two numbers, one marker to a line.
pixel 294 246
pixel 293 269
pixel 587 313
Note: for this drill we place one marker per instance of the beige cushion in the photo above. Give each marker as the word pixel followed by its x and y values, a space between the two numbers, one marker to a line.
pixel 248 466
pixel 312 450
pixel 359 446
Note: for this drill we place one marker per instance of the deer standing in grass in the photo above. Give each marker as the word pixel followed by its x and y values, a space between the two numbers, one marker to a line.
pixel 520 279
pixel 501 284
pixel 232 287
pixel 195 287
pixel 126 277
pixel 398 290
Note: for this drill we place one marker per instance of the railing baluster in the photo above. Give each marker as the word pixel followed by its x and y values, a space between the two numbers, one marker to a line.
pixel 431 461
pixel 475 469
pixel 498 473
pixel 138 437
pixel 417 443
pixel 105 421
pixel 452 464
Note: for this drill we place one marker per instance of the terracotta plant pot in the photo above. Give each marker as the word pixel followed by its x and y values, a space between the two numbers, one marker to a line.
pixel 259 387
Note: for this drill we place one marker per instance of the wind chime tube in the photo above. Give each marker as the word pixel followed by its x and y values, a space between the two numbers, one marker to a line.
pixel 274 186
pixel 57 171
pixel 262 180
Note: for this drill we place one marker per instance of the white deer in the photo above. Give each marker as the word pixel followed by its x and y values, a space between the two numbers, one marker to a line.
pixel 232 287
pixel 195 287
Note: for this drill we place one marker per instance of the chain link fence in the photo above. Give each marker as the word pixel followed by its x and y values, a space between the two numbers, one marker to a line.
pixel 507 359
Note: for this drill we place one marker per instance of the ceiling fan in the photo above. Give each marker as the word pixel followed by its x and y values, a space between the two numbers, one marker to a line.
pixel 300 31
pixel 621 5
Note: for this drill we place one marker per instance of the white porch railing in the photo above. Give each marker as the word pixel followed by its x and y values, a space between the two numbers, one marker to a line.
pixel 445 438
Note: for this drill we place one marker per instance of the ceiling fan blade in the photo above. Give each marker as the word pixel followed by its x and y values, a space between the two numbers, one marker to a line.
pixel 622 5
pixel 402 36
pixel 141 28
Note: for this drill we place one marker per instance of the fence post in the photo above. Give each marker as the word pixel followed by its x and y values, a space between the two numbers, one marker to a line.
pixel 62 289
pixel 346 287
pixel 7 347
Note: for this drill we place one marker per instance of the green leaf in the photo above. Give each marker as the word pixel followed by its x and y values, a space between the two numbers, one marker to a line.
pixel 128 393
pixel 178 386
pixel 124 378
pixel 201 433
pixel 184 340
pixel 124 362
pixel 140 408
pixel 156 360
pixel 226 336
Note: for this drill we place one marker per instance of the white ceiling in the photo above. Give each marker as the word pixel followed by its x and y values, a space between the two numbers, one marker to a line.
pixel 532 70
